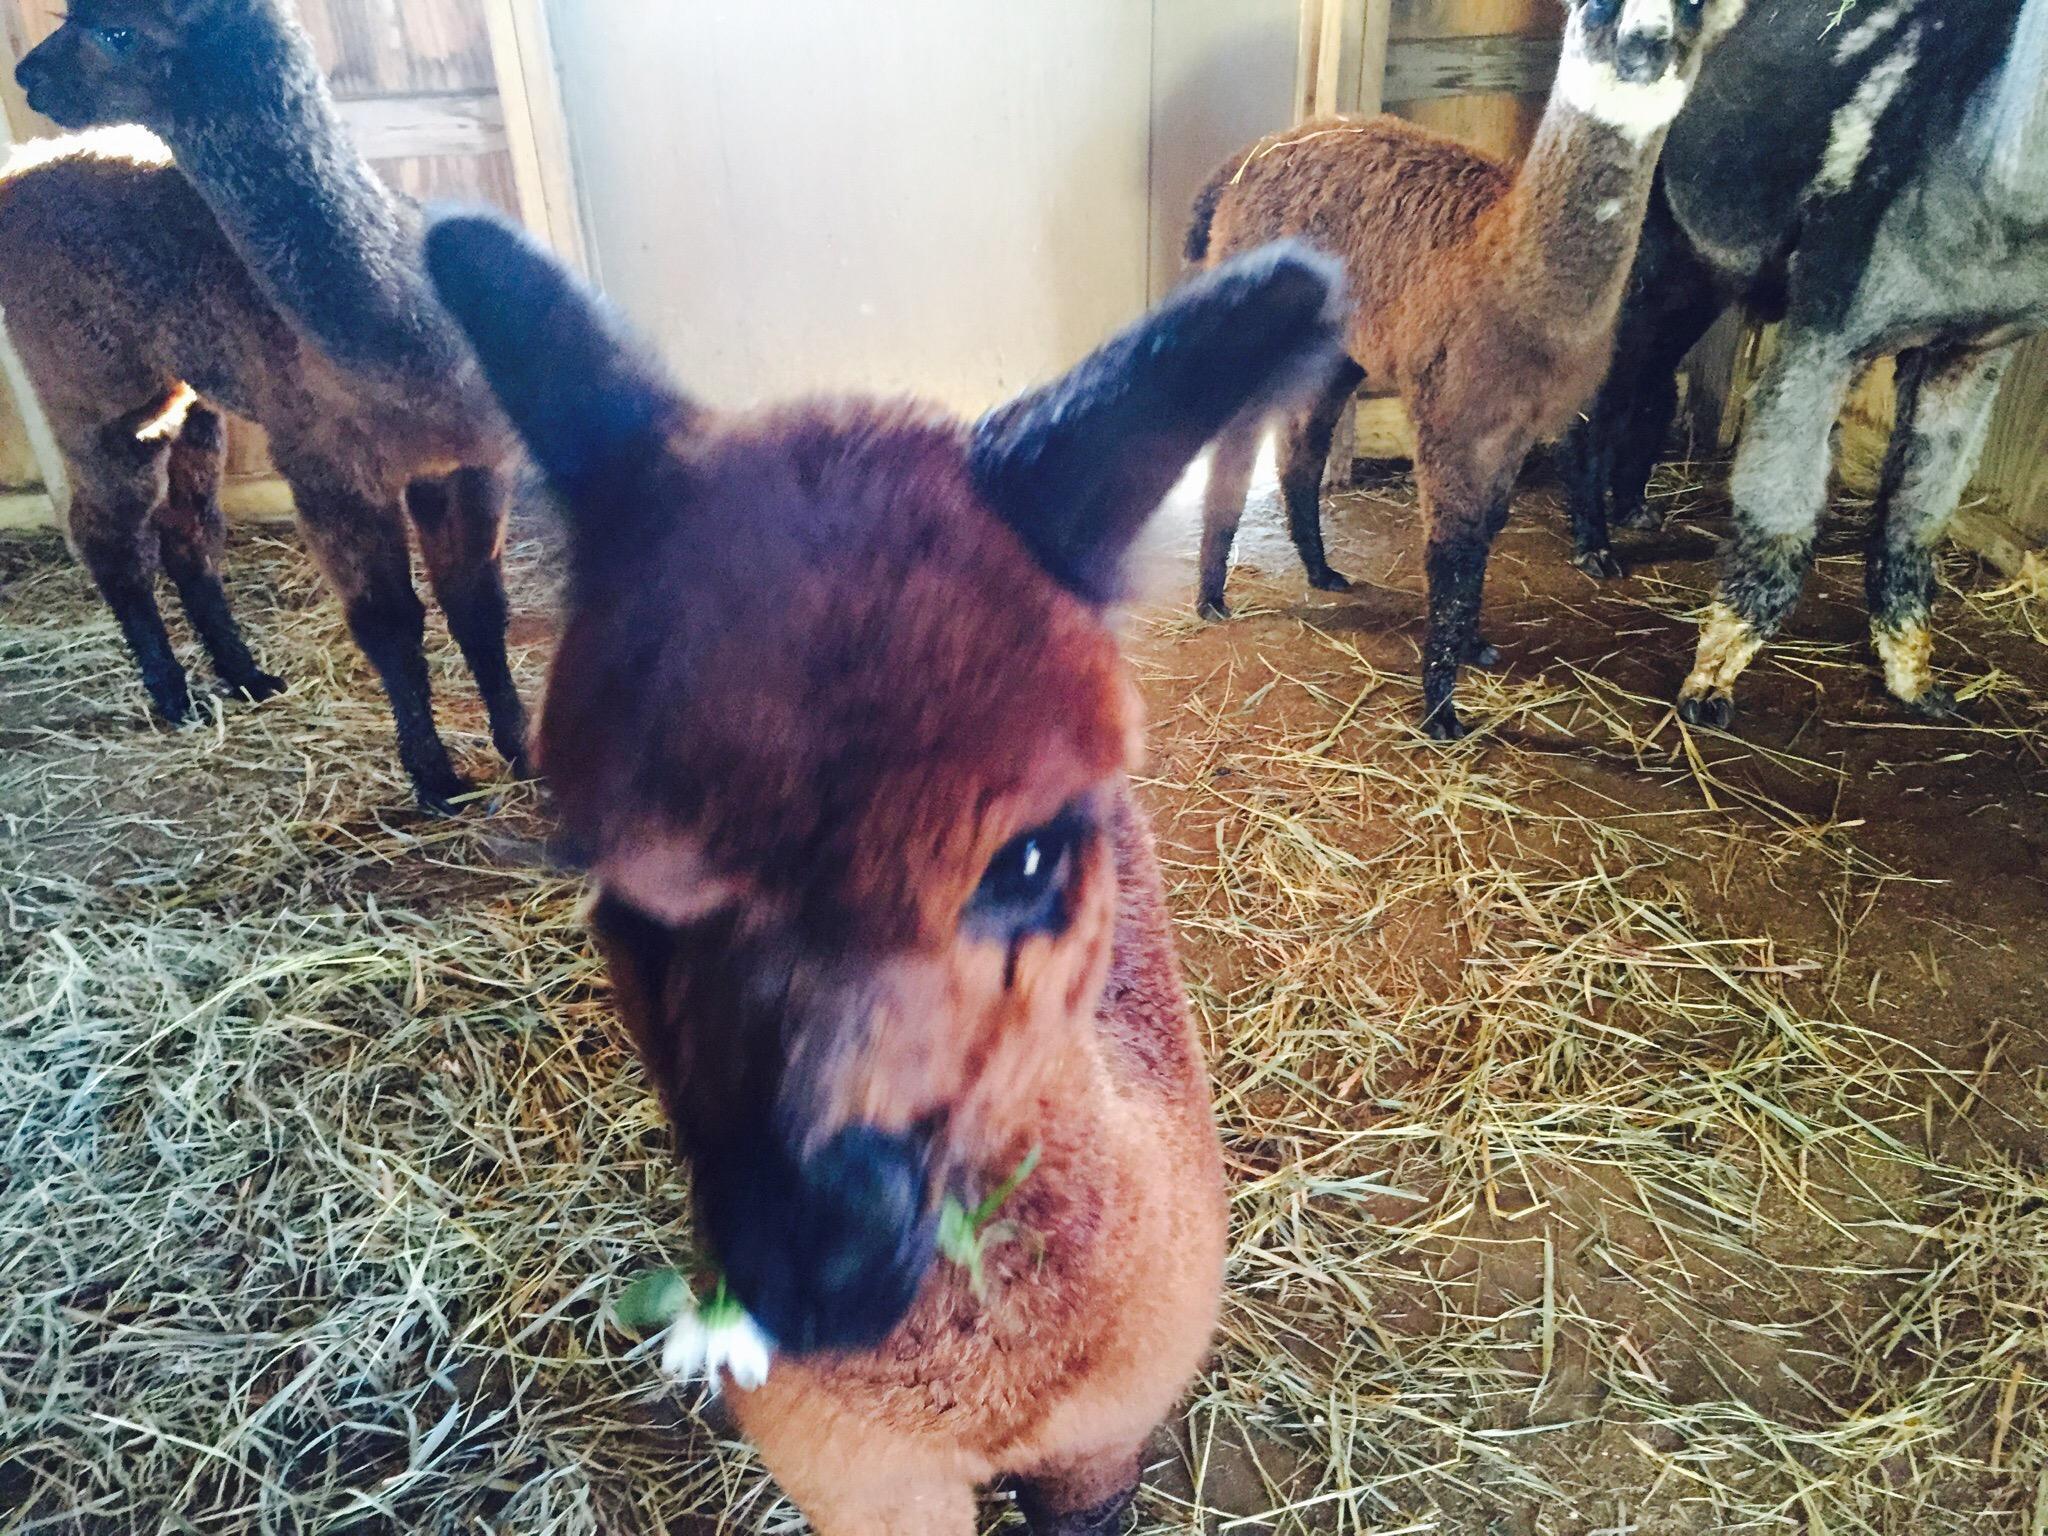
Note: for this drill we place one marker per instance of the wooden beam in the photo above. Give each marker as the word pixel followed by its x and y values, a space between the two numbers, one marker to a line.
pixel 42 442
pixel 455 123
pixel 1371 95
pixel 1425 68
pixel 537 127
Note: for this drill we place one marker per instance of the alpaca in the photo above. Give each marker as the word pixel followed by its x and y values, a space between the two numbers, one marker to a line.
pixel 1485 296
pixel 269 273
pixel 839 715
pixel 1880 184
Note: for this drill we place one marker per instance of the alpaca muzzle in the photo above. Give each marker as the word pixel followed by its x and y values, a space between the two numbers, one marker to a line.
pixel 827 1250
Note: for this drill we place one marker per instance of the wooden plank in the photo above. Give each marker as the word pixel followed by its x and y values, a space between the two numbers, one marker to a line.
pixel 388 48
pixel 1477 18
pixel 394 127
pixel 2015 466
pixel 243 498
pixel 537 127
pixel 1422 69
pixel 1371 94
pixel 42 442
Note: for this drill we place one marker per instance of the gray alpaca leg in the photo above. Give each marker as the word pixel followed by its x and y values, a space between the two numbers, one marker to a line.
pixel 1230 479
pixel 1944 415
pixel 1780 489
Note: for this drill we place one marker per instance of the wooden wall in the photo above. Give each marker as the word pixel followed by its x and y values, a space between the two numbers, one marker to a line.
pixel 418 88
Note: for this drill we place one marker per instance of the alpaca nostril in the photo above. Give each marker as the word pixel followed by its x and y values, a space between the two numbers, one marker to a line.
pixel 827 1252
pixel 1641 58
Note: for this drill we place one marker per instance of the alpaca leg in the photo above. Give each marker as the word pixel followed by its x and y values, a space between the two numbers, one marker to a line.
pixel 192 535
pixel 1088 1497
pixel 461 523
pixel 117 481
pixel 360 545
pixel 1780 488
pixel 1230 478
pixel 1584 459
pixel 1644 430
pixel 1304 454
pixel 1638 444
pixel 1944 415
pixel 1465 507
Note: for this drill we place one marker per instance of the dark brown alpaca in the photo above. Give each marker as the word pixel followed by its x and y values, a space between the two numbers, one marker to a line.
pixel 1485 296
pixel 838 714
pixel 271 274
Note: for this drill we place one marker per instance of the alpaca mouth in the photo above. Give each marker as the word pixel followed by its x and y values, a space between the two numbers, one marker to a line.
pixel 49 103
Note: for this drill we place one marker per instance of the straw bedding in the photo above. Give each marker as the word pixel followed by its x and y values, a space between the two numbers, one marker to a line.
pixel 1627 1137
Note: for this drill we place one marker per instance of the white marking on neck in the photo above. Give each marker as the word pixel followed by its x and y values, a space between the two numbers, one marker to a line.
pixel 1637 112
pixel 1856 120
pixel 1859 38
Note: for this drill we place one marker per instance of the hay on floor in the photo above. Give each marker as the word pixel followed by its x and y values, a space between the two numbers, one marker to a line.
pixel 1564 1202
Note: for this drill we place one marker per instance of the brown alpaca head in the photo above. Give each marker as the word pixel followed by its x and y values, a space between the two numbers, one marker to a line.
pixel 139 61
pixel 837 715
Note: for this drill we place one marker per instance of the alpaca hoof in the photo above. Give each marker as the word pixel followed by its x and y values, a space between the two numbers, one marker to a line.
pixel 1482 653
pixel 1712 710
pixel 439 797
pixel 520 764
pixel 256 687
pixel 1327 580
pixel 1214 609
pixel 1443 724
pixel 1600 564
pixel 1638 517
pixel 173 708
pixel 1935 704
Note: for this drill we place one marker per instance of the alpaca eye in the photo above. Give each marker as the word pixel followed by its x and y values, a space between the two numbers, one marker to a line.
pixel 116 40
pixel 1601 12
pixel 1024 888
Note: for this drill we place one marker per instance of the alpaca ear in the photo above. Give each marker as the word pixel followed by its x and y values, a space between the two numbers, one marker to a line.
pixel 594 411
pixel 1077 466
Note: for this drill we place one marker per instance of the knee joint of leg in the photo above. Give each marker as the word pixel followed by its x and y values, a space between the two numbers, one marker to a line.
pixel 393 613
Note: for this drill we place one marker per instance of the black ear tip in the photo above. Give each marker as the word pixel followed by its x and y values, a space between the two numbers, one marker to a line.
pixel 469 253
pixel 1290 279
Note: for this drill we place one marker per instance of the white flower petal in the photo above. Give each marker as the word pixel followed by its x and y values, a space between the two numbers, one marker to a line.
pixel 747 1350
pixel 688 1344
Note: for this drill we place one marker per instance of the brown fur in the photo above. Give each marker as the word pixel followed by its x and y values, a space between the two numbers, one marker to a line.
pixel 857 650
pixel 127 282
pixel 1484 296
pixel 822 665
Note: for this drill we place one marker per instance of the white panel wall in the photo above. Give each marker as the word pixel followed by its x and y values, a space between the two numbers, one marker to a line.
pixel 1222 76
pixel 947 197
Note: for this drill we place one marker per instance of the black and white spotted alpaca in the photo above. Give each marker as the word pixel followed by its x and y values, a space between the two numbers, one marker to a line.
pixel 1877 180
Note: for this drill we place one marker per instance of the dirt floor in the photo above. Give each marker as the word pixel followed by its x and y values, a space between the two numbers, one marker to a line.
pixel 1635 1130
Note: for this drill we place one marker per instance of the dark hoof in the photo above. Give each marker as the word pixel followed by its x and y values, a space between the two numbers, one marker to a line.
pixel 256 687
pixel 1639 517
pixel 173 709
pixel 1327 580
pixel 439 798
pixel 1714 710
pixel 1482 653
pixel 1935 704
pixel 521 765
pixel 1600 564
pixel 1444 725
pixel 1214 609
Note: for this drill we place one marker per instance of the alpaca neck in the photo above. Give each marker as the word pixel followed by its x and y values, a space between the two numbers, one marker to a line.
pixel 2010 118
pixel 1579 200
pixel 257 133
